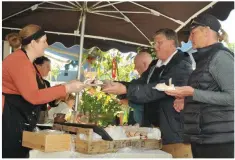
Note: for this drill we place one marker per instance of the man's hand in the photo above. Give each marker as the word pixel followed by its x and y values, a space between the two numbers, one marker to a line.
pixel 181 92
pixel 179 104
pixel 114 88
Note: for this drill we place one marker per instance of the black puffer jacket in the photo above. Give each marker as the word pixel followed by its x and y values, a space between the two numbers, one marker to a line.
pixel 207 123
pixel 159 109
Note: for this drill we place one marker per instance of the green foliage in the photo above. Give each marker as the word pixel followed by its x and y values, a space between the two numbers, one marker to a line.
pixel 55 71
pixel 150 50
pixel 103 63
pixel 102 107
pixel 231 46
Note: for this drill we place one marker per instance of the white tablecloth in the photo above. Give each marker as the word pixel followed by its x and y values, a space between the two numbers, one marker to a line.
pixel 122 153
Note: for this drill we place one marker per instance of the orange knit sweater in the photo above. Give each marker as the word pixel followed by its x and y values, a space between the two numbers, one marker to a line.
pixel 19 77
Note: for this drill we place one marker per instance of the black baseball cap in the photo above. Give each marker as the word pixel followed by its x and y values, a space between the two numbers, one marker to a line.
pixel 206 20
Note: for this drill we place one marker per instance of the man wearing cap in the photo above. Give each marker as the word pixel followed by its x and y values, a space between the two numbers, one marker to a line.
pixel 208 100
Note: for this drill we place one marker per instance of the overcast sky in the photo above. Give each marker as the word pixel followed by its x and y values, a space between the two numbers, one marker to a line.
pixel 229 26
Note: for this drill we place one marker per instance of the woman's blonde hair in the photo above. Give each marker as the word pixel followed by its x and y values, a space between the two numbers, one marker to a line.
pixel 69 97
pixel 28 31
pixel 222 36
pixel 14 40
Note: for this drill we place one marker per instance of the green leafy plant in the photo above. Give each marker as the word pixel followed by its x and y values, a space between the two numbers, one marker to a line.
pixel 55 71
pixel 103 63
pixel 150 50
pixel 231 46
pixel 102 107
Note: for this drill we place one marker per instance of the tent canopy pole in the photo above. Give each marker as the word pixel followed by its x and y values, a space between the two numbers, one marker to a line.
pixel 81 52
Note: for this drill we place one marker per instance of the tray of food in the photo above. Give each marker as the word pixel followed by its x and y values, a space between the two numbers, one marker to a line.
pixel 113 137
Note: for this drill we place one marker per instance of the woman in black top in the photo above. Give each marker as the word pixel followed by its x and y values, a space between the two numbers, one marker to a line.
pixel 43 65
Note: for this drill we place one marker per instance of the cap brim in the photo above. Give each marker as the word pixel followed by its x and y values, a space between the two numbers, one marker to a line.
pixel 185 32
pixel 188 29
pixel 192 26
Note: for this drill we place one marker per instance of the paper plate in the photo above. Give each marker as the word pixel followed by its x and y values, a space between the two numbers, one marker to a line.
pixel 46 125
pixel 160 89
pixel 99 84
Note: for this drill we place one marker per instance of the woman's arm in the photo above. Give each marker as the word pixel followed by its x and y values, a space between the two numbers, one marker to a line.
pixel 24 78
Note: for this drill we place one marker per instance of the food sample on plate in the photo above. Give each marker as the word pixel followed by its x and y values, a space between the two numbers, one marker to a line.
pixel 90 75
pixel 133 132
pixel 91 78
pixel 164 87
pixel 96 81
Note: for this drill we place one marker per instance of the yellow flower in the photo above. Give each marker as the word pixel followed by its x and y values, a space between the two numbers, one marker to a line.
pixel 68 116
pixel 99 96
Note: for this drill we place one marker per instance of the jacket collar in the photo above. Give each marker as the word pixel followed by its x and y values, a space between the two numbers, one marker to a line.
pixel 207 48
pixel 175 60
pixel 160 63
pixel 202 52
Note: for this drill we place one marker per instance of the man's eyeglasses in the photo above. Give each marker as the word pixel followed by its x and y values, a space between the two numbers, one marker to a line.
pixel 158 43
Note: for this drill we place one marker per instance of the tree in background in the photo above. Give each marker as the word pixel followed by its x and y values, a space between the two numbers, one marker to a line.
pixel 231 46
pixel 55 71
pixel 104 61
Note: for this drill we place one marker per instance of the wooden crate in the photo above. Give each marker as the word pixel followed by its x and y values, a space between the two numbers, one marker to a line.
pixel 102 146
pixel 57 127
pixel 46 142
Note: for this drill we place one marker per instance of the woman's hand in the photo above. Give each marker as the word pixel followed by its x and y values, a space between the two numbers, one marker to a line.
pixel 179 104
pixel 75 86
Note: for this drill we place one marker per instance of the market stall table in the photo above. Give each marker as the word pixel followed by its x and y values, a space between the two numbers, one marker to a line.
pixel 122 153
